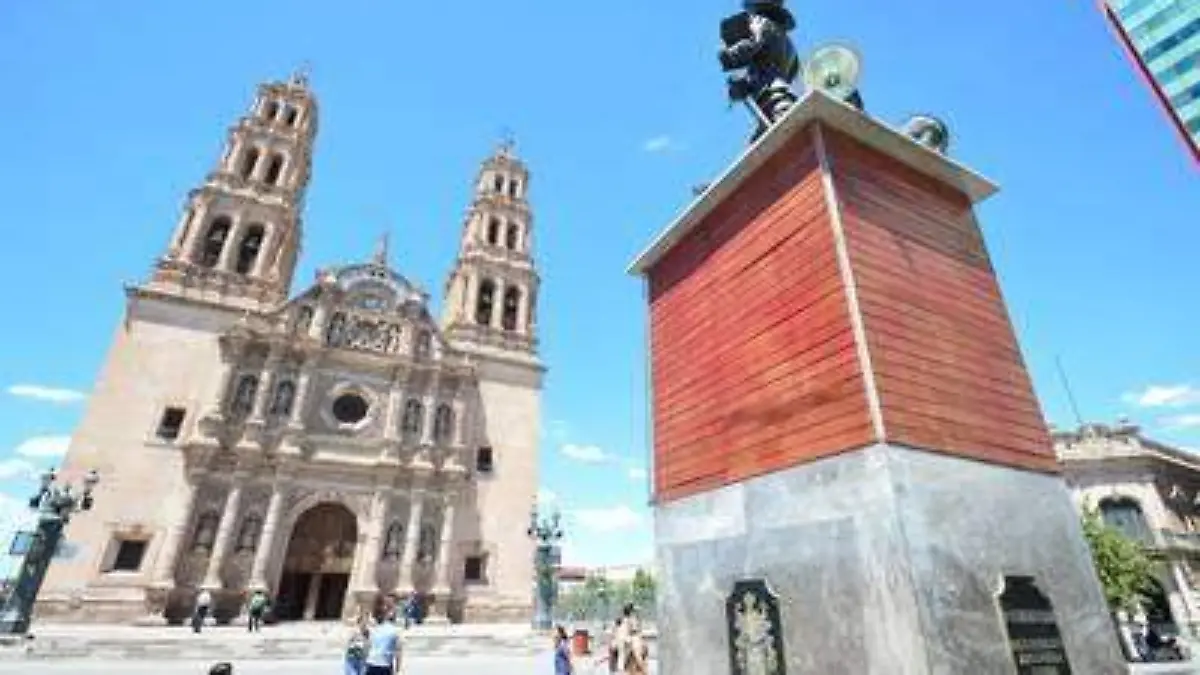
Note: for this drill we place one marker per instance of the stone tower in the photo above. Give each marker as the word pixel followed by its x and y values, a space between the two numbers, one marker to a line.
pixel 239 235
pixel 491 294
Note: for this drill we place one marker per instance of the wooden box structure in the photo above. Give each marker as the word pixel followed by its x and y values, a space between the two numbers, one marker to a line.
pixel 832 367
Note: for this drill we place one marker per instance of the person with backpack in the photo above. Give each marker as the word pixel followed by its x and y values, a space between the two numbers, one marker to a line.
pixel 255 611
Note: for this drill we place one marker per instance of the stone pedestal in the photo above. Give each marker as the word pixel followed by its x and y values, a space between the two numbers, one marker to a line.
pixel 844 428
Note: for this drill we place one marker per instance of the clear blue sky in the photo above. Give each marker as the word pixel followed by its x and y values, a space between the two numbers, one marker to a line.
pixel 114 110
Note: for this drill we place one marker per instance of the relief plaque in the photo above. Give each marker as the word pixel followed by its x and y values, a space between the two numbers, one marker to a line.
pixel 755 631
pixel 1032 629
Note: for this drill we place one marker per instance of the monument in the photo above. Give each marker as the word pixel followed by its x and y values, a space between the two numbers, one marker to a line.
pixel 852 473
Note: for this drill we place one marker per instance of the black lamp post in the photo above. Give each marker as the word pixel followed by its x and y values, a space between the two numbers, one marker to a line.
pixel 546 532
pixel 55 504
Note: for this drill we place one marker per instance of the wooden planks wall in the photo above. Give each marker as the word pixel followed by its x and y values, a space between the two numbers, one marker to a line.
pixel 946 362
pixel 753 360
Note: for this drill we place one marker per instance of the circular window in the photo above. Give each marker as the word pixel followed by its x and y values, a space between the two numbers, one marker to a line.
pixel 350 408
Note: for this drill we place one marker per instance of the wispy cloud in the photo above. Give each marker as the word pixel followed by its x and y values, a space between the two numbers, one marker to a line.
pixel 637 474
pixel 1164 396
pixel 658 144
pixel 589 454
pixel 17 468
pixel 44 446
pixel 609 519
pixel 1189 421
pixel 47 394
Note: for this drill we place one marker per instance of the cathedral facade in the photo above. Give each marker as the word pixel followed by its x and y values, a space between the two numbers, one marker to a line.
pixel 332 447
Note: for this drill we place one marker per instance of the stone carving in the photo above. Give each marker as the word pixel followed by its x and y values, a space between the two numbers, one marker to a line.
pixel 427 543
pixel 1033 633
pixel 304 319
pixel 285 394
pixel 248 534
pixel 364 333
pixel 205 532
pixel 243 397
pixel 394 542
pixel 755 633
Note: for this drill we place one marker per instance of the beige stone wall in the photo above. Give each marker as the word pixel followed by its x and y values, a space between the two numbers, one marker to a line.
pixel 162 355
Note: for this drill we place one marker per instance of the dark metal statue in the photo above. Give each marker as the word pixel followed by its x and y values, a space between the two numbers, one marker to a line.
pixel 55 504
pixel 547 533
pixel 756 43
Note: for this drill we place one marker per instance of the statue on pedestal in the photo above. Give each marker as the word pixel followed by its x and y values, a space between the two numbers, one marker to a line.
pixel 755 42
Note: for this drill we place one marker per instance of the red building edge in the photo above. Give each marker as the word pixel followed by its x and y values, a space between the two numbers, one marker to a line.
pixel 1164 102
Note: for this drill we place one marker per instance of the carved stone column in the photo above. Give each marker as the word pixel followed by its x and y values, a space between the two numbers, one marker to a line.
pixel 266 539
pixel 320 318
pixel 265 251
pixel 168 552
pixel 412 539
pixel 470 296
pixel 445 571
pixel 266 382
pixel 300 403
pixel 224 538
pixel 225 262
pixel 459 406
pixel 522 311
pixel 391 418
pixel 190 242
pixel 429 402
pixel 497 305
pixel 367 581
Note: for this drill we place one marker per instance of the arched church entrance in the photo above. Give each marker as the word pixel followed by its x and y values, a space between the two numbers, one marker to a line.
pixel 316 568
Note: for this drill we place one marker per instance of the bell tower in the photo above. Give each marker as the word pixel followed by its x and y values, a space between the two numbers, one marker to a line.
pixel 239 235
pixel 491 294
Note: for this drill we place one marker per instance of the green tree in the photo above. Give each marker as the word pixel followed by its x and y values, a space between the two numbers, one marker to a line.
pixel 1123 565
pixel 642 589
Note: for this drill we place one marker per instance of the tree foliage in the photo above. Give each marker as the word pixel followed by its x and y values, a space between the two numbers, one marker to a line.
pixel 1123 565
pixel 601 599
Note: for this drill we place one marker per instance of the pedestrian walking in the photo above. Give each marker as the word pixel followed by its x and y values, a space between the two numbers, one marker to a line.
pixel 562 652
pixel 255 610
pixel 202 609
pixel 384 649
pixel 356 646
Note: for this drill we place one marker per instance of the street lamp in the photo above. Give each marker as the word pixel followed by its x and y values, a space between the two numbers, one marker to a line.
pixel 55 504
pixel 546 532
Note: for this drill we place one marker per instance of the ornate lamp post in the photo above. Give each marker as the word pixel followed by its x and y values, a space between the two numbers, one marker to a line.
pixel 546 532
pixel 55 504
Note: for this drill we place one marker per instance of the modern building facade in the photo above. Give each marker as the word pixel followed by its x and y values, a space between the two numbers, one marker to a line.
pixel 1162 38
pixel 1151 492
pixel 330 447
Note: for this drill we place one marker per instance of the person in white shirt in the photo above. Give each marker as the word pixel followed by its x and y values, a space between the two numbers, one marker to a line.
pixel 203 607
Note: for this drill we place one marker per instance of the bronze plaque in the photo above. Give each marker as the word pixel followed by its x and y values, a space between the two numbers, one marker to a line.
pixel 1033 634
pixel 755 631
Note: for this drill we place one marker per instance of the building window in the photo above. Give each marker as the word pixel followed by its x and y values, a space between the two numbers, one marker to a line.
pixel 484 460
pixel 484 301
pixel 249 161
pixel 498 183
pixel 513 186
pixel 214 241
pixel 410 426
pixel 350 408
pixel 128 556
pixel 170 423
pixel 249 249
pixel 1125 515
pixel 475 569
pixel 270 110
pixel 443 424
pixel 289 117
pixel 510 237
pixel 493 231
pixel 512 303
pixel 424 344
pixel 274 170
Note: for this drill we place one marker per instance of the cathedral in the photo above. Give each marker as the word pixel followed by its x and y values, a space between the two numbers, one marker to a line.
pixel 330 448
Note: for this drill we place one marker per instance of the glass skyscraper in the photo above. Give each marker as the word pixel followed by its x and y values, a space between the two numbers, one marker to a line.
pixel 1163 39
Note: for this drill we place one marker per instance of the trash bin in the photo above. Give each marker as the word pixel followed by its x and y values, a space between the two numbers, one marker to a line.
pixel 581 643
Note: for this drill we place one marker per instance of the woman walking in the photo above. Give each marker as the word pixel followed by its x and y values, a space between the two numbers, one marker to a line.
pixel 562 652
pixel 356 646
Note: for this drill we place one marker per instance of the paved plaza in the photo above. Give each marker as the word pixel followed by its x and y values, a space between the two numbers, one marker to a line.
pixel 468 665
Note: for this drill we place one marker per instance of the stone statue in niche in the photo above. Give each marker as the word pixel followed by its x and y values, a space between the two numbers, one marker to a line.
pixel 248 535
pixel 206 531
pixel 394 541
pixel 426 543
pixel 335 334
pixel 304 318
pixel 755 630
pixel 243 397
pixel 285 393
pixel 393 339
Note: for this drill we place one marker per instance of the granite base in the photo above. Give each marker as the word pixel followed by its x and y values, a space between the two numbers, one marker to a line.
pixel 885 561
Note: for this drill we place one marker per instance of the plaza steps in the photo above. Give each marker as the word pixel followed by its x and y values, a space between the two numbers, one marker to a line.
pixel 282 642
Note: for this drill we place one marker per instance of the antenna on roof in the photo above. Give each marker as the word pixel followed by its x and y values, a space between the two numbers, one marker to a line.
pixel 1062 374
